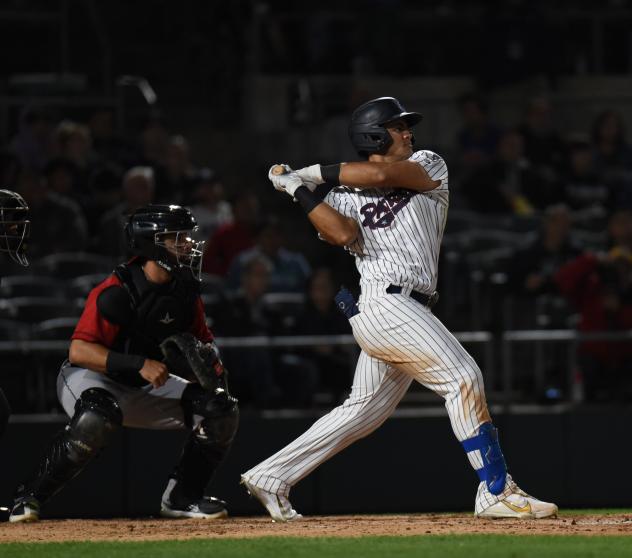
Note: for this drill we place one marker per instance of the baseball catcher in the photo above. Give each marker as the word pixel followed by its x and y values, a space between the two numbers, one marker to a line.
pixel 14 233
pixel 142 356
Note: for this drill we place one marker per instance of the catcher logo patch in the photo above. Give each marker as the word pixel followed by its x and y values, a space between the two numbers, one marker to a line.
pixel 167 319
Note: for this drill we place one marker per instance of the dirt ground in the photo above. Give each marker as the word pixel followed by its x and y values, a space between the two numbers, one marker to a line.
pixel 331 526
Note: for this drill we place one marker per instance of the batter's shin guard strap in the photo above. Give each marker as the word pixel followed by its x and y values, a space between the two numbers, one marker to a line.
pixel 494 470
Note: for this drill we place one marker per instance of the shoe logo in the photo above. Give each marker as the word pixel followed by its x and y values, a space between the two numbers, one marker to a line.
pixel 518 509
pixel 167 319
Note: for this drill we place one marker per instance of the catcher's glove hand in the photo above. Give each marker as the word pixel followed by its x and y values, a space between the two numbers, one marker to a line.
pixel 185 355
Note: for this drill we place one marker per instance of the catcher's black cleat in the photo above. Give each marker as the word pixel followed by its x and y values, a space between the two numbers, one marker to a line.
pixel 175 505
pixel 25 510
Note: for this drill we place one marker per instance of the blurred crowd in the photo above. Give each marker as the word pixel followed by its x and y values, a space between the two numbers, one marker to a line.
pixel 567 202
pixel 541 221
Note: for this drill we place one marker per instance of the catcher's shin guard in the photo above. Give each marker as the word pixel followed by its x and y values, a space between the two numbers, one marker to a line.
pixel 97 417
pixel 209 442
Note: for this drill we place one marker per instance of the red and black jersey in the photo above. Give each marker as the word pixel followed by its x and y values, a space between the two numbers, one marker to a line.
pixel 153 312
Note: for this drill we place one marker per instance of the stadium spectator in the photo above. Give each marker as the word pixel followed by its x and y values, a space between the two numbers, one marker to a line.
pixel 154 142
pixel 585 190
pixel 320 316
pixel 233 238
pixel 509 184
pixel 10 167
pixel 600 287
pixel 613 156
pixel 108 145
pixel 57 222
pixel 61 175
pixel 33 143
pixel 176 176
pixel 478 137
pixel 531 270
pixel 209 206
pixel 138 190
pixel 243 313
pixel 289 269
pixel 543 146
pixel 104 192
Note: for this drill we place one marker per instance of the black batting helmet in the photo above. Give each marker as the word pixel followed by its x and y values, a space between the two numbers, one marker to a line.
pixel 14 226
pixel 367 127
pixel 163 233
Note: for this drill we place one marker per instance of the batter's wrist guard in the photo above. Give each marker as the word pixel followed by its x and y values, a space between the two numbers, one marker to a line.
pixel 308 200
pixel 494 470
pixel 120 363
pixel 331 173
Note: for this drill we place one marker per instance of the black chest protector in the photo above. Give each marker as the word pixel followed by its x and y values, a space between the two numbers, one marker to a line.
pixel 157 311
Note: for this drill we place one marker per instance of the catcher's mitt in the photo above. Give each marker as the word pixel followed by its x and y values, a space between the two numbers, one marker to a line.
pixel 185 355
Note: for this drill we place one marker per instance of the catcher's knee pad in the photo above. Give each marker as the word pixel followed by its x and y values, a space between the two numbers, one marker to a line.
pixel 220 416
pixel 494 469
pixel 219 430
pixel 97 416
pixel 219 412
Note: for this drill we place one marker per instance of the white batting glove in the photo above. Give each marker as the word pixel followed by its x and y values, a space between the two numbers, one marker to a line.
pixel 274 177
pixel 311 176
pixel 287 183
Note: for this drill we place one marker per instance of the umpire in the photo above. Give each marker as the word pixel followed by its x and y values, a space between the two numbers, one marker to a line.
pixel 14 233
pixel 115 375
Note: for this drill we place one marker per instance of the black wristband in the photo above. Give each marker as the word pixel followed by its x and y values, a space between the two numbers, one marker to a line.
pixel 307 198
pixel 120 363
pixel 331 173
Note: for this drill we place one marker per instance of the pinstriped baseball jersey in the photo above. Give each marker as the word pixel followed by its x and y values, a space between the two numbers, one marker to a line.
pixel 400 230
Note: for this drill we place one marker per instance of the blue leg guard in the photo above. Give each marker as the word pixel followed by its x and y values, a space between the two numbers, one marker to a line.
pixel 494 470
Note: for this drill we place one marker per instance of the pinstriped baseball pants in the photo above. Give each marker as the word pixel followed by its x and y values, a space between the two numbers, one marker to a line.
pixel 401 341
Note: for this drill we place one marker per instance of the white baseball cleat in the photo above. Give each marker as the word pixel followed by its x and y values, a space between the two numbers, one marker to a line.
pixel 512 503
pixel 278 506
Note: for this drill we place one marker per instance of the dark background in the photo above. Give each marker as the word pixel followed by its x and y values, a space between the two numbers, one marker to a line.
pixel 224 89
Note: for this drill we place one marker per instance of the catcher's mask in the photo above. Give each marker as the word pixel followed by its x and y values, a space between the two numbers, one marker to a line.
pixel 367 129
pixel 14 226
pixel 165 234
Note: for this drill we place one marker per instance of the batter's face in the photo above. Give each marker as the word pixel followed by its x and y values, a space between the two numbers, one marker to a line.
pixel 402 146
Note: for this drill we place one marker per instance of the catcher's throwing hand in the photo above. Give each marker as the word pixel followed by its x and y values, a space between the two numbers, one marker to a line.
pixel 156 373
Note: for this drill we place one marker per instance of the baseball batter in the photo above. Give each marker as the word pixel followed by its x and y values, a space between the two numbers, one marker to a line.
pixel 14 232
pixel 390 214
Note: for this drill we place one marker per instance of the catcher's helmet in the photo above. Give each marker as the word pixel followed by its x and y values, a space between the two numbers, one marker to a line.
pixel 163 233
pixel 14 226
pixel 367 127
